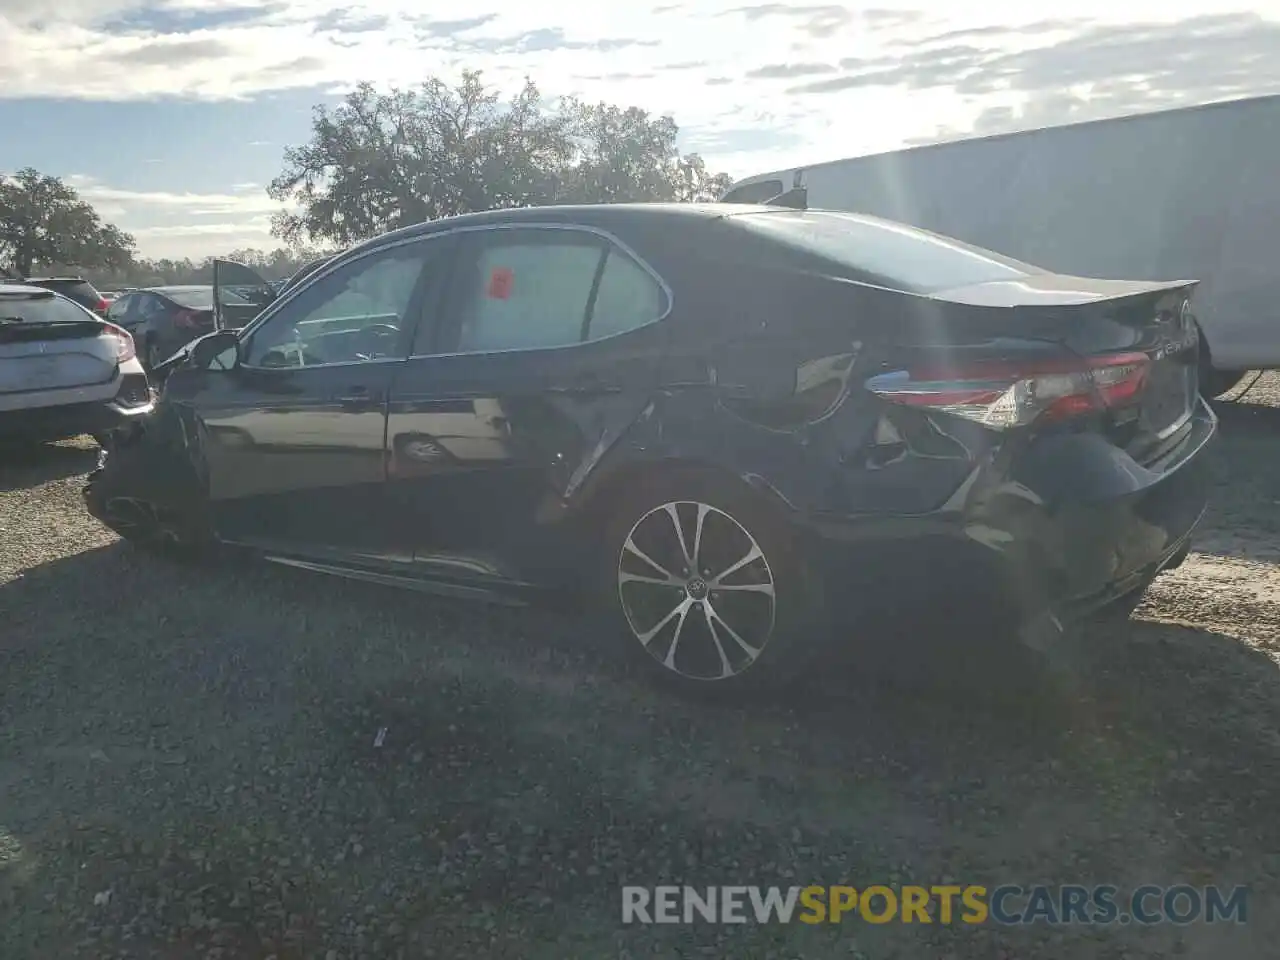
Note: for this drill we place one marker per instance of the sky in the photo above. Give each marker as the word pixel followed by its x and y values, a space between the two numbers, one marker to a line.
pixel 171 116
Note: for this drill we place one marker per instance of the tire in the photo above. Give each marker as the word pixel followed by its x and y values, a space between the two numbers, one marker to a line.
pixel 152 529
pixel 1214 383
pixel 1119 610
pixel 149 525
pixel 1221 381
pixel 772 603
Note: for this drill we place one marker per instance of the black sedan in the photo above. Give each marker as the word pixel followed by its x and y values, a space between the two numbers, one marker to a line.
pixel 713 420
pixel 164 319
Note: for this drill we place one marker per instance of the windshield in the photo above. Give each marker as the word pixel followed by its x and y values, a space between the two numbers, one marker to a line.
pixel 893 254
pixel 26 308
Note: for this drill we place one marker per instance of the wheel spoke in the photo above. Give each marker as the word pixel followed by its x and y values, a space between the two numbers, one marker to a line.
pixel 672 510
pixel 630 545
pixel 714 617
pixel 679 610
pixel 726 668
pixel 765 588
pixel 703 510
pixel 670 661
pixel 751 555
pixel 624 577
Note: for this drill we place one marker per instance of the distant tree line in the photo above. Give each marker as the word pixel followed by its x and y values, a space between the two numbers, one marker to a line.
pixel 142 272
pixel 381 160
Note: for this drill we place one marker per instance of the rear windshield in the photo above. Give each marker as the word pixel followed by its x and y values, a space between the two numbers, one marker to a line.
pixel 29 309
pixel 893 254
pixel 78 289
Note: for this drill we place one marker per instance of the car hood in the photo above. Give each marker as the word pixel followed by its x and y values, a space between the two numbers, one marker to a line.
pixel 1051 289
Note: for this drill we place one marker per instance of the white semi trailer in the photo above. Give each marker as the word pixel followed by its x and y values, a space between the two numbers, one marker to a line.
pixel 1188 194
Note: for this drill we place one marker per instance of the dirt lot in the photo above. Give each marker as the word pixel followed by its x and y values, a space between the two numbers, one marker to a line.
pixel 188 768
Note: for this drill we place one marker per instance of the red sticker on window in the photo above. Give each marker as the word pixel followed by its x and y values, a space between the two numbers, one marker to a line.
pixel 501 280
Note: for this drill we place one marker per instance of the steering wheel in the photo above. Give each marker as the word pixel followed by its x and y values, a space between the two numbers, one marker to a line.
pixel 377 339
pixel 288 355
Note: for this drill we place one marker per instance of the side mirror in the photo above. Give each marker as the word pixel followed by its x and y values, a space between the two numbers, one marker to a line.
pixel 219 350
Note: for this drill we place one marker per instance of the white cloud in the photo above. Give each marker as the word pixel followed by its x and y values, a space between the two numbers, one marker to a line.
pixel 754 84
pixel 205 222
pixel 245 198
pixel 200 240
pixel 621 53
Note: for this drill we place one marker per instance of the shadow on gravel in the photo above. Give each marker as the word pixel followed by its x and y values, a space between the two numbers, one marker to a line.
pixel 33 464
pixel 1243 416
pixel 259 762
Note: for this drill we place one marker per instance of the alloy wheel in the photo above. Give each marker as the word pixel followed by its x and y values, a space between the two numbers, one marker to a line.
pixel 697 590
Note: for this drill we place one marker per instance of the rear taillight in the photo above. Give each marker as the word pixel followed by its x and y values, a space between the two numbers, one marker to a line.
pixel 102 306
pixel 125 348
pixel 187 320
pixel 1007 394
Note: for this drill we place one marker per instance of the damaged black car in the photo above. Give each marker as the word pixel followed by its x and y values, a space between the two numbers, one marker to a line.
pixel 722 424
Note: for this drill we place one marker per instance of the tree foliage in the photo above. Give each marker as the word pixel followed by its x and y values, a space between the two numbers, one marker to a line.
pixel 384 160
pixel 43 222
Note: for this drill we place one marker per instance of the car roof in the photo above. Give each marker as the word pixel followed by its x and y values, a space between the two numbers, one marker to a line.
pixel 606 216
pixel 175 288
pixel 17 288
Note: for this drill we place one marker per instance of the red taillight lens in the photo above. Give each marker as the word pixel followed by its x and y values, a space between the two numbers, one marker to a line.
pixel 125 348
pixel 103 306
pixel 1006 394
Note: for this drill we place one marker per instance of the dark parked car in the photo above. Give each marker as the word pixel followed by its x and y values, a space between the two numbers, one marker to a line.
pixel 712 419
pixel 164 319
pixel 64 371
pixel 74 288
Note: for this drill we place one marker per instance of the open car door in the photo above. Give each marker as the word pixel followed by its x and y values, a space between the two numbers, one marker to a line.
pixel 239 294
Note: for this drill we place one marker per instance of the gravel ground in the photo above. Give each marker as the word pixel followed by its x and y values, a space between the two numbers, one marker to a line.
pixel 188 764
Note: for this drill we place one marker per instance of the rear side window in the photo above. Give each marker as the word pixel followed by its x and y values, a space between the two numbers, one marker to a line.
pixel 628 297
pixel 540 288
pixel 40 310
pixel 887 253
pixel 527 291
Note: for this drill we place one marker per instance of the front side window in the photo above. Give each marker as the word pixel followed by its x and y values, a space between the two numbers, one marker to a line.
pixel 354 313
pixel 540 288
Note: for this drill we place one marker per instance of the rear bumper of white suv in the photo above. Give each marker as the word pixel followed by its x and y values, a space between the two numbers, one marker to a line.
pixel 58 415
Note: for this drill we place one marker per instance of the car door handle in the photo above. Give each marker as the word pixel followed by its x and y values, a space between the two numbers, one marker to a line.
pixel 357 396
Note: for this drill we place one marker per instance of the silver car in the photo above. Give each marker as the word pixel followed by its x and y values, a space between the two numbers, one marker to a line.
pixel 63 371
